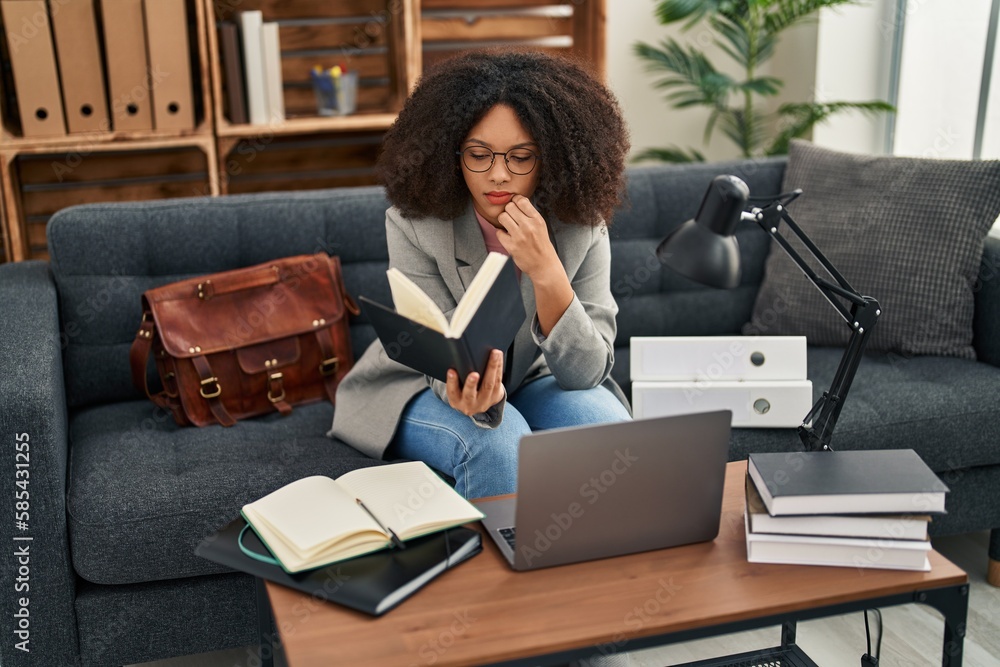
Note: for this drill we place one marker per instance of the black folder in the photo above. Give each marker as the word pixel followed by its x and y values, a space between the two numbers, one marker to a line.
pixel 496 322
pixel 373 583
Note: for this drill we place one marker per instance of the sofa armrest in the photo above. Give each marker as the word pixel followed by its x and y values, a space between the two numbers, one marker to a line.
pixel 986 323
pixel 38 577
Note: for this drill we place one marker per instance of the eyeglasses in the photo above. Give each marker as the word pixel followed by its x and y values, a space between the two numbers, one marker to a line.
pixel 519 161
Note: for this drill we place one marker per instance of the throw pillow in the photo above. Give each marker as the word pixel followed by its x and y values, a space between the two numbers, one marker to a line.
pixel 907 231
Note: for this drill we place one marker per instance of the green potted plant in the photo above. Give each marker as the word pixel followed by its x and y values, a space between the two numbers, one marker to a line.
pixel 747 32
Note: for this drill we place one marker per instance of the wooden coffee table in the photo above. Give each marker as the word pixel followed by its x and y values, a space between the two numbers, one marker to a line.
pixel 482 612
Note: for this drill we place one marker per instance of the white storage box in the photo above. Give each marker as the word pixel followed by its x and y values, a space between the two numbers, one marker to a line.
pixel 717 358
pixel 777 404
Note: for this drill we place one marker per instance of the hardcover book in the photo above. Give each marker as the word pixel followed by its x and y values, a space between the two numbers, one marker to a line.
pixel 232 62
pixel 880 526
pixel 846 482
pixel 372 584
pixel 316 520
pixel 864 553
pixel 419 335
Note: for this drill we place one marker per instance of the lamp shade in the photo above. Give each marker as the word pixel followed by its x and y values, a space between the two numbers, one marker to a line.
pixel 704 249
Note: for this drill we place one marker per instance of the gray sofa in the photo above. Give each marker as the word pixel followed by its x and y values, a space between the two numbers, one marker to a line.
pixel 120 496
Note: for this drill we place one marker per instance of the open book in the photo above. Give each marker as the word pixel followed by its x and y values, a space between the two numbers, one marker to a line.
pixel 411 302
pixel 419 335
pixel 316 520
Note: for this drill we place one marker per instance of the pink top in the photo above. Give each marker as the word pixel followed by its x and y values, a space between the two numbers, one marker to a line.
pixel 492 242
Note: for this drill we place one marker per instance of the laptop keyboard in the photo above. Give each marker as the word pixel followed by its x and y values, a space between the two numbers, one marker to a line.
pixel 508 535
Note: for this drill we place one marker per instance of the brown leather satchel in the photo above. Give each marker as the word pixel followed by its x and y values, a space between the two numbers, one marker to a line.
pixel 246 342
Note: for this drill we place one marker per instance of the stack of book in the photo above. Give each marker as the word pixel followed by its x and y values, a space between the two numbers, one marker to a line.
pixel 863 509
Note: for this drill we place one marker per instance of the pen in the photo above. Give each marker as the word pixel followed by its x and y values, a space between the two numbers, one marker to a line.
pixel 395 538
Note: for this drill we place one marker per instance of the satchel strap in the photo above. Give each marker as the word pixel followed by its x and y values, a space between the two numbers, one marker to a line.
pixel 238 281
pixel 138 354
pixel 138 357
pixel 211 390
pixel 276 392
pixel 330 365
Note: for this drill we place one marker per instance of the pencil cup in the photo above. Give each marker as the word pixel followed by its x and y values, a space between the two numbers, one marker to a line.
pixel 335 95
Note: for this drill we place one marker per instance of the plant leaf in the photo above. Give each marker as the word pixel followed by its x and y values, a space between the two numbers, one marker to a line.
pixel 735 38
pixel 671 11
pixel 765 85
pixel 687 70
pixel 802 117
pixel 785 13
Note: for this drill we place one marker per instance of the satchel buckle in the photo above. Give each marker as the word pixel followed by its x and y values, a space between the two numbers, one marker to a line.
pixel 210 393
pixel 276 377
pixel 328 366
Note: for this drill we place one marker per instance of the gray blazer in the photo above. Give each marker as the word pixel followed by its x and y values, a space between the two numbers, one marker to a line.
pixel 442 257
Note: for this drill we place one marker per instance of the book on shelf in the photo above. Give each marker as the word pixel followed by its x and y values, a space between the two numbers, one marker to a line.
pixel 232 62
pixel 317 520
pixel 846 482
pixel 251 29
pixel 880 526
pixel 858 552
pixel 419 335
pixel 273 82
pixel 373 583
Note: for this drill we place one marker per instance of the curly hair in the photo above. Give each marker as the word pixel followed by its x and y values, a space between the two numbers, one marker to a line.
pixel 575 120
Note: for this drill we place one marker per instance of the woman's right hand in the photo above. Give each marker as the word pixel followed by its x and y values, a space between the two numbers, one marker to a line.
pixel 472 398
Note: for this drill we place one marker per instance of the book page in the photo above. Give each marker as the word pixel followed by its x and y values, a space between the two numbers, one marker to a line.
pixel 477 291
pixel 409 498
pixel 410 301
pixel 310 514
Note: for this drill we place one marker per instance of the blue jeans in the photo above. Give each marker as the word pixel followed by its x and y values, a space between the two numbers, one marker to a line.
pixel 483 461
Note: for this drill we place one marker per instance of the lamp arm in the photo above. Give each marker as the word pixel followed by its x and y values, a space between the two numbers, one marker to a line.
pixel 816 431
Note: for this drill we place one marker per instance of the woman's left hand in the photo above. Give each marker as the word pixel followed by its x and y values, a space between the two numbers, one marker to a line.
pixel 526 237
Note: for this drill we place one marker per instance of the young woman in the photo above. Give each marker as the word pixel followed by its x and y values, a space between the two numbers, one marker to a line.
pixel 519 153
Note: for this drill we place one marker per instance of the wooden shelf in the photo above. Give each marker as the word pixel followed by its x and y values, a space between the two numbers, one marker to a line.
pixel 309 125
pixel 372 37
pixel 387 41
pixel 201 80
pixel 40 180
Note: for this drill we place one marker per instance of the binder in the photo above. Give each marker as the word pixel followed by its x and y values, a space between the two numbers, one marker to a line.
pixel 232 63
pixel 81 73
pixel 273 85
pixel 33 64
pixel 167 45
pixel 774 404
pixel 717 358
pixel 125 57
pixel 251 23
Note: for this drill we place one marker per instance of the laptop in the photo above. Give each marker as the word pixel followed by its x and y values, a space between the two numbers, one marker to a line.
pixel 589 492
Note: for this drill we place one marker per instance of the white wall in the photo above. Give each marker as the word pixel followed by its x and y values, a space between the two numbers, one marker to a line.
pixel 652 121
pixel 853 60
pixel 942 71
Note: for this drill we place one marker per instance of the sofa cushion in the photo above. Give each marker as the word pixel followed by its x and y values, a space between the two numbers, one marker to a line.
pixel 143 492
pixel 908 232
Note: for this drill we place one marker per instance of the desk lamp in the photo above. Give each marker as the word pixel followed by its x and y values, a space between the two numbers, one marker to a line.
pixel 705 250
